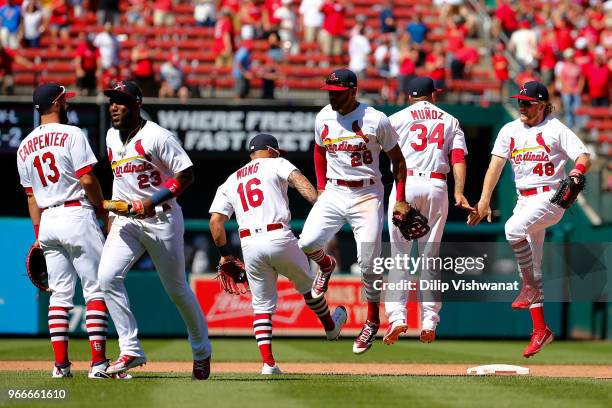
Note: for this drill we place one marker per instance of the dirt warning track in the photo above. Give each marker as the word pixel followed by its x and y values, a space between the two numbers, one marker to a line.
pixel 583 371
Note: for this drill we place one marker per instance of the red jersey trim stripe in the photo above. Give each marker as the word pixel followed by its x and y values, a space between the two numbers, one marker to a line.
pixel 84 170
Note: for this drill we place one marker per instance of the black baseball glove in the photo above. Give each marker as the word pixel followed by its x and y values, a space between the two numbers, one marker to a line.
pixel 568 190
pixel 410 222
pixel 232 276
pixel 37 268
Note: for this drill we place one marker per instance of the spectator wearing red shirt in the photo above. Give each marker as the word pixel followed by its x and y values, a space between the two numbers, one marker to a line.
pixel 270 21
pixel 500 68
pixel 547 49
pixel 463 61
pixel 88 67
pixel 506 18
pixel 8 58
pixel 59 21
pixel 435 65
pixel 571 83
pixel 142 68
pixel 455 35
pixel 223 46
pixel 332 35
pixel 163 13
pixel 407 71
pixel 251 20
pixel 598 79
pixel 563 34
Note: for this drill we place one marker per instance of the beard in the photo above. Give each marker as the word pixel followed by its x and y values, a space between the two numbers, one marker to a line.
pixel 63 116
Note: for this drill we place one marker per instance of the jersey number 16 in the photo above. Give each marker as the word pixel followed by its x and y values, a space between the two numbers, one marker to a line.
pixel 249 194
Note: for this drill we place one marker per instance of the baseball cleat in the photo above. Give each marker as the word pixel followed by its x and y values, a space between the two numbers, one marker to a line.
pixel 201 369
pixel 321 282
pixel 62 371
pixel 394 330
pixel 339 317
pixel 539 338
pixel 528 296
pixel 270 370
pixel 124 363
pixel 366 337
pixel 428 336
pixel 98 372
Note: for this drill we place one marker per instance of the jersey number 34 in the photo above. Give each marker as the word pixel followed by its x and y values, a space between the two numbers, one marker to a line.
pixel 435 137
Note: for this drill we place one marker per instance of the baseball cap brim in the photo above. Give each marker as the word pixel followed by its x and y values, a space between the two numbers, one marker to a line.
pixel 115 92
pixel 525 98
pixel 335 88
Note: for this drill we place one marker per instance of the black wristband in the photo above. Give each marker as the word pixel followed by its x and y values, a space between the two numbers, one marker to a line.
pixel 223 250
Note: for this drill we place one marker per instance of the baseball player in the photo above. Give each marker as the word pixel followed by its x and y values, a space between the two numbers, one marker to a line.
pixel 55 165
pixel 538 147
pixel 349 136
pixel 257 193
pixel 432 141
pixel 150 169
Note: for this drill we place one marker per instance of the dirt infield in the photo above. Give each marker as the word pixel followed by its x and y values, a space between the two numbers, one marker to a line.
pixel 585 371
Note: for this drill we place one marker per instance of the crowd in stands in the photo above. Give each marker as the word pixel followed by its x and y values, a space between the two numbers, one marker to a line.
pixel 567 44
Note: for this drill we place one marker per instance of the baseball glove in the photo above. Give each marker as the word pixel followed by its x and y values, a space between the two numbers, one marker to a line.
pixel 410 222
pixel 232 276
pixel 37 268
pixel 568 190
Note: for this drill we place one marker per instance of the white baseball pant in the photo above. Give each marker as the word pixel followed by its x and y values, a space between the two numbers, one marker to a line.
pixel 268 254
pixel 72 242
pixel 430 197
pixel 530 218
pixel 363 209
pixel 162 237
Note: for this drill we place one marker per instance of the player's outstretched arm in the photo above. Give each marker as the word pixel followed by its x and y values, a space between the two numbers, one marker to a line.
pixel 172 187
pixel 459 174
pixel 491 178
pixel 399 174
pixel 582 164
pixel 298 181
pixel 217 230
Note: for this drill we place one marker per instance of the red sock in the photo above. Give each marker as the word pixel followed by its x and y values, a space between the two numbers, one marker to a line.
pixel 537 317
pixel 373 312
pixel 320 258
pixel 58 331
pixel 262 327
pixel 96 320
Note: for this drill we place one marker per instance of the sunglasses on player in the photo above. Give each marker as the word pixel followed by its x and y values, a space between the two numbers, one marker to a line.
pixel 526 104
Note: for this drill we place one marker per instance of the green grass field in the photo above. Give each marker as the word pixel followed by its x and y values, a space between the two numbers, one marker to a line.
pixel 250 390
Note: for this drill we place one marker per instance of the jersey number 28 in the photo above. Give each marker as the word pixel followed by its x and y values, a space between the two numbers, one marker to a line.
pixel 250 195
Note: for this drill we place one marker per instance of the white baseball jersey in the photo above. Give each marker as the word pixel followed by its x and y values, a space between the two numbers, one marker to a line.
pixel 51 159
pixel 538 154
pixel 353 142
pixel 257 193
pixel 145 162
pixel 427 135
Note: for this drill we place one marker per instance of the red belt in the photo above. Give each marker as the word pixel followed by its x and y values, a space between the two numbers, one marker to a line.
pixel 69 203
pixel 533 191
pixel 432 174
pixel 270 227
pixel 352 183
